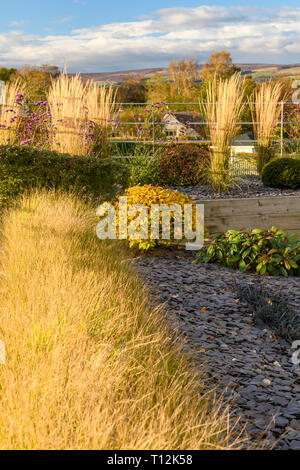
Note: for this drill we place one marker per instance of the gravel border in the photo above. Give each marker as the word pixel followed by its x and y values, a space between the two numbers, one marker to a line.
pixel 245 187
pixel 244 356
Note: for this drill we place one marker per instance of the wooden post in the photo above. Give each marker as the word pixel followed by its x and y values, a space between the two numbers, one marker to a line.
pixel 281 130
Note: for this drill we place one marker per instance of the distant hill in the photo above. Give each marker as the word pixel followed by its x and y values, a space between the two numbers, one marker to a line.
pixel 259 72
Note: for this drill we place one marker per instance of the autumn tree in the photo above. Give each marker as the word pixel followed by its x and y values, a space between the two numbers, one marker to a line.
pixel 133 90
pixel 5 74
pixel 158 88
pixel 37 81
pixel 219 64
pixel 183 74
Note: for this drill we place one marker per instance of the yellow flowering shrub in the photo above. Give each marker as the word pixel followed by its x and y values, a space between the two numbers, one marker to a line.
pixel 147 196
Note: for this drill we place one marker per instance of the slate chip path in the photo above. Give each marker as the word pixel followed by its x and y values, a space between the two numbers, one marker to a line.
pixel 244 187
pixel 247 359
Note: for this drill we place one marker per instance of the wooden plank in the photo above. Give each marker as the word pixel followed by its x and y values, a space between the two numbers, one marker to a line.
pixel 281 212
pixel 227 207
pixel 223 224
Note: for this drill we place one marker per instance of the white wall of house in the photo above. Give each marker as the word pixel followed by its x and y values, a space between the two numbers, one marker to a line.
pixel 242 149
pixel 2 92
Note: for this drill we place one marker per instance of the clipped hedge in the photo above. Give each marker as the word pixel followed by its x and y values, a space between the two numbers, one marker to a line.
pixel 25 167
pixel 283 172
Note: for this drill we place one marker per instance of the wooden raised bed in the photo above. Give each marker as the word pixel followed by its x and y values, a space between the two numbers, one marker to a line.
pixel 281 211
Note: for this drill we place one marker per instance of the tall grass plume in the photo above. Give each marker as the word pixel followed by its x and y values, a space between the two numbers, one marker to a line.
pixel 265 110
pixel 11 111
pixel 74 105
pixel 222 110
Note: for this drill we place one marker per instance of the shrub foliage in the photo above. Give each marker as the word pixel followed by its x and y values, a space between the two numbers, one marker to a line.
pixel 264 251
pixel 282 173
pixel 149 195
pixel 173 165
pixel 183 165
pixel 25 167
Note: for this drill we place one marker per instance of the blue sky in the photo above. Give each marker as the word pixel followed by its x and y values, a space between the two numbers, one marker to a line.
pixel 97 36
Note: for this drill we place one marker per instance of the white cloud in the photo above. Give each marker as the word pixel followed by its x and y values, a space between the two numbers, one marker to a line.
pixel 251 35
pixel 65 20
pixel 18 23
pixel 199 17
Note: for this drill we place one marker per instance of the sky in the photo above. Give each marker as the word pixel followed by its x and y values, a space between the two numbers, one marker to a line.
pixel 104 35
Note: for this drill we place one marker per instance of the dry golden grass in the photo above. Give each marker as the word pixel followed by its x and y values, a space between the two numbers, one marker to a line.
pixel 222 112
pixel 90 365
pixel 73 104
pixel 12 90
pixel 265 109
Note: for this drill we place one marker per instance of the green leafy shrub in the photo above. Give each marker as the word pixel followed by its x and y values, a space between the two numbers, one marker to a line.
pixel 264 251
pixel 173 165
pixel 25 167
pixel 282 173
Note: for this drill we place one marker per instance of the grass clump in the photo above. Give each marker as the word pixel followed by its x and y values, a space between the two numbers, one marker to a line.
pixel 90 364
pixel 11 111
pixel 74 105
pixel 222 112
pixel 265 109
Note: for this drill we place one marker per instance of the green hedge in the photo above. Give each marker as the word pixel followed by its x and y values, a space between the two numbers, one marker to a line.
pixel 283 172
pixel 24 167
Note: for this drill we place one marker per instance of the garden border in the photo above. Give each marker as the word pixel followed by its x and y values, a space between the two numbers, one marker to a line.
pixel 282 212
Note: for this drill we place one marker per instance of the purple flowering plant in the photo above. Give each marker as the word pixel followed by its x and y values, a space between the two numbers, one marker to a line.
pixel 33 126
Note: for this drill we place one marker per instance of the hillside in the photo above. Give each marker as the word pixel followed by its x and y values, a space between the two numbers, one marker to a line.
pixel 259 72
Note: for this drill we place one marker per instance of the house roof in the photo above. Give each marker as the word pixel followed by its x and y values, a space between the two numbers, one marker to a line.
pixel 243 139
pixel 187 119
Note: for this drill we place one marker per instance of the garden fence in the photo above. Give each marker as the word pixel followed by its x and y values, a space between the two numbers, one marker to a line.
pixel 240 164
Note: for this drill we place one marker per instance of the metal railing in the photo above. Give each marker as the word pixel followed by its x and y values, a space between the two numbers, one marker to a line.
pixel 240 164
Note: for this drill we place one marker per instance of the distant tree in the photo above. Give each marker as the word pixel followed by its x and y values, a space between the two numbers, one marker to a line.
pixel 178 87
pixel 133 90
pixel 37 81
pixel 158 89
pixel 5 74
pixel 183 74
pixel 50 69
pixel 219 64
